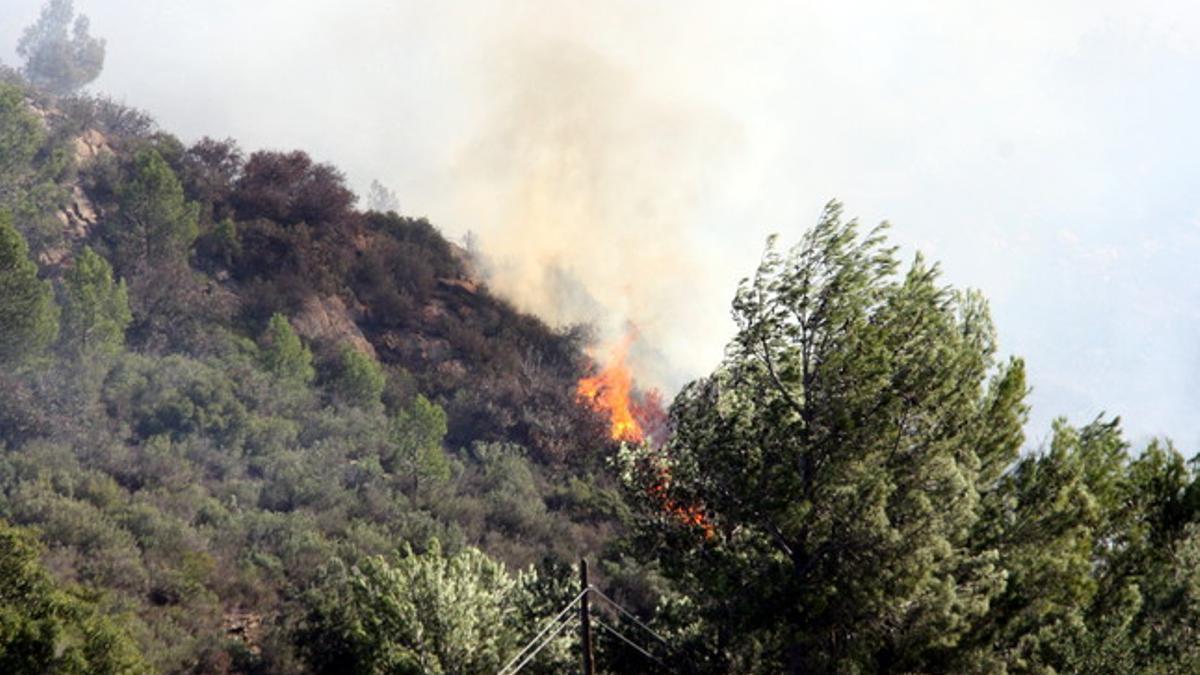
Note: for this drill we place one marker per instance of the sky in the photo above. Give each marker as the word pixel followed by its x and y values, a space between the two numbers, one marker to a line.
pixel 623 162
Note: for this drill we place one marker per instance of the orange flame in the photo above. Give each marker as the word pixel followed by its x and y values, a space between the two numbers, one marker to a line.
pixel 611 392
pixel 688 515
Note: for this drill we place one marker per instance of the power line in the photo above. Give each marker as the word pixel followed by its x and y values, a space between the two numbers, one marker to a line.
pixel 671 649
pixel 556 626
pixel 541 646
pixel 629 642
pixel 630 616
pixel 506 669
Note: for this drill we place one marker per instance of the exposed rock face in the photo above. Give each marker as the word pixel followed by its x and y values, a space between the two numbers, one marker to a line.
pixel 79 215
pixel 53 257
pixel 328 320
pixel 89 145
pixel 410 348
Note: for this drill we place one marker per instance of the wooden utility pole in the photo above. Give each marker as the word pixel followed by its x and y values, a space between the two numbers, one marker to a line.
pixel 585 623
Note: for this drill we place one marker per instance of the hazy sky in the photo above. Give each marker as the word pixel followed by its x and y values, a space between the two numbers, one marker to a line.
pixel 1046 153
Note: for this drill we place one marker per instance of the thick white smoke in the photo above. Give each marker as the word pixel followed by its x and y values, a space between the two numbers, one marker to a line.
pixel 583 185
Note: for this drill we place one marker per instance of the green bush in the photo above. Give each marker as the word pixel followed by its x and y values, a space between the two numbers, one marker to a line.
pixel 45 628
pixel 358 380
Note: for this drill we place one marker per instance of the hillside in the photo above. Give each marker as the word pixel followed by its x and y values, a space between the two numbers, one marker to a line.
pixel 249 426
pixel 202 488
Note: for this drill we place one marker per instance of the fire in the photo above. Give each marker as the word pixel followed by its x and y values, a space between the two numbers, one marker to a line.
pixel 689 515
pixel 611 392
pixel 635 418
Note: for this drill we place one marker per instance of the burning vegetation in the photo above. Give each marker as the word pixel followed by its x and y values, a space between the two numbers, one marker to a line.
pixel 639 417
pixel 634 415
pixel 610 393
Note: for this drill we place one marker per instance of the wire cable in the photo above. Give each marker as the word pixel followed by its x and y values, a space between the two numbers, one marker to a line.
pixel 541 646
pixel 534 646
pixel 505 670
pixel 629 642
pixel 631 617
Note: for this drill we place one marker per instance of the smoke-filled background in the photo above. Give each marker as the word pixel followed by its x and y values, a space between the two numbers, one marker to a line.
pixel 587 186
pixel 623 161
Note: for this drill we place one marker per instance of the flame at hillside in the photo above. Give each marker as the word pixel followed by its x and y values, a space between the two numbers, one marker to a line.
pixel 610 392
pixel 636 417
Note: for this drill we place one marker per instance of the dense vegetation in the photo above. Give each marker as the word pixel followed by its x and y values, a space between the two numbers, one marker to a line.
pixel 223 389
pixel 867 506
pixel 248 427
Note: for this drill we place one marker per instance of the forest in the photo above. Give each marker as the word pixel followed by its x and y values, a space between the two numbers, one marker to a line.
pixel 250 426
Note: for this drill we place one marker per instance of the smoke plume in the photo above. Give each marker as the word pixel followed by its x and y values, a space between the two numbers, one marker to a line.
pixel 582 185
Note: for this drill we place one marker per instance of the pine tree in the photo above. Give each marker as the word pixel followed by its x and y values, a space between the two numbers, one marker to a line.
pixel 95 309
pixel 1172 614
pixel 283 354
pixel 417 434
pixel 382 199
pixel 60 55
pixel 822 485
pixel 359 380
pixel 20 137
pixel 28 315
pixel 156 224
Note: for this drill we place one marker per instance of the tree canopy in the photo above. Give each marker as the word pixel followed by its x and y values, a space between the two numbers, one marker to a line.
pixel 428 613
pixel 846 493
pixel 60 54
pixel 95 308
pixel 157 223
pixel 842 452
pixel 44 629
pixel 28 315
pixel 283 353
pixel 20 137
pixel 359 379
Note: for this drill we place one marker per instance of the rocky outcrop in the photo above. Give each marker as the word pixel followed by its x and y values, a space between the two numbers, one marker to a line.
pixel 327 320
pixel 79 215
pixel 89 145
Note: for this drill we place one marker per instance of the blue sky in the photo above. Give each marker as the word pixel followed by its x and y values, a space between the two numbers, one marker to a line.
pixel 1045 153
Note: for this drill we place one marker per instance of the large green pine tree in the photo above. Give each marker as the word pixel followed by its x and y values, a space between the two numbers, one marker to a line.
pixel 359 380
pixel 283 353
pixel 840 454
pixel 95 308
pixel 156 224
pixel 28 315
